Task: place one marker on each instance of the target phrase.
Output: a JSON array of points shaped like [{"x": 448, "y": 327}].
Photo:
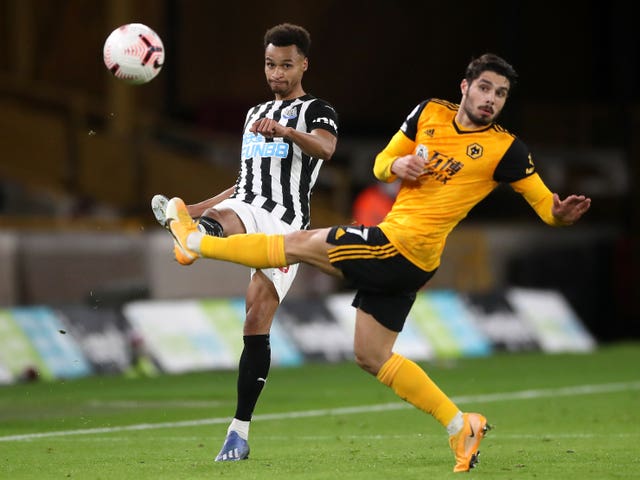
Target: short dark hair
[
  {"x": 493, "y": 63},
  {"x": 287, "y": 34}
]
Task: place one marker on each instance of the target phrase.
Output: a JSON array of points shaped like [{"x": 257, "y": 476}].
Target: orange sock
[
  {"x": 413, "y": 385},
  {"x": 256, "y": 250}
]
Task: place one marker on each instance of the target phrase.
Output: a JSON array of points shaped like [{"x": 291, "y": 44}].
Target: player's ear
[
  {"x": 464, "y": 85},
  {"x": 305, "y": 64}
]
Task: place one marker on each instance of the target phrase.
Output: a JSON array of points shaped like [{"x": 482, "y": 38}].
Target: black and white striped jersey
[{"x": 274, "y": 173}]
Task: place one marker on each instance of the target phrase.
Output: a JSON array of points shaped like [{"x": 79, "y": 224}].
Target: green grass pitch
[{"x": 568, "y": 416}]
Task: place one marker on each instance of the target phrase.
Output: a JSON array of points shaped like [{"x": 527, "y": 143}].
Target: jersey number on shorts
[{"x": 364, "y": 233}]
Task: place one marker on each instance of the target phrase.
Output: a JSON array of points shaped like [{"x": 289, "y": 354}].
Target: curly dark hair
[
  {"x": 287, "y": 34},
  {"x": 493, "y": 63}
]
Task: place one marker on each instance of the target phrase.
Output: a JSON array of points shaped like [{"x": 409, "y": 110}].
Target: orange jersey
[{"x": 462, "y": 168}]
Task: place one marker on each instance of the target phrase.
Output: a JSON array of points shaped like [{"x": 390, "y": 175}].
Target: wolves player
[{"x": 284, "y": 143}]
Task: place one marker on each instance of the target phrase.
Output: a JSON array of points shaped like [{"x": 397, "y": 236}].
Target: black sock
[
  {"x": 252, "y": 373},
  {"x": 210, "y": 226}
]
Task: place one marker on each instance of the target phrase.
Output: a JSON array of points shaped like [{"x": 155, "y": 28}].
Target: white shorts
[{"x": 258, "y": 220}]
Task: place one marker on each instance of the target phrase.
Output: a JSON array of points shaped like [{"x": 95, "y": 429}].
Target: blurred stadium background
[{"x": 81, "y": 154}]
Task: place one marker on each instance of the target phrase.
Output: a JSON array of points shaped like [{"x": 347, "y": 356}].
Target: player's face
[
  {"x": 483, "y": 99},
  {"x": 284, "y": 68}
]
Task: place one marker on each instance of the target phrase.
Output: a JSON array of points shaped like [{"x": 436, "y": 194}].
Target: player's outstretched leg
[{"x": 256, "y": 250}]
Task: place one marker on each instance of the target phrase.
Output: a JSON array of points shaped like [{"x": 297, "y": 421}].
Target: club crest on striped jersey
[{"x": 290, "y": 112}]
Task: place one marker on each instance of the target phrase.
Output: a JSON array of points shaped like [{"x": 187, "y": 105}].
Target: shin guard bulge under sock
[{"x": 256, "y": 250}]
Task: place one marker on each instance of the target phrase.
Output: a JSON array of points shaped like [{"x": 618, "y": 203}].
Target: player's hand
[
  {"x": 570, "y": 209},
  {"x": 269, "y": 128},
  {"x": 409, "y": 167}
]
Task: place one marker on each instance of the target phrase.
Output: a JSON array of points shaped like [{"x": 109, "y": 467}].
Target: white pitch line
[
  {"x": 160, "y": 404},
  {"x": 484, "y": 398}
]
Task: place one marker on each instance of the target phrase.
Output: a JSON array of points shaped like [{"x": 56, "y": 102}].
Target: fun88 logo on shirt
[{"x": 256, "y": 146}]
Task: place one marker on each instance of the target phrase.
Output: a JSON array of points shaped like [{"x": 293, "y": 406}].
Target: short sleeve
[
  {"x": 322, "y": 115},
  {"x": 410, "y": 125}
]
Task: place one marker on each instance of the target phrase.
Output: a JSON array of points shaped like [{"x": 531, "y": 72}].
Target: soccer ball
[{"x": 134, "y": 53}]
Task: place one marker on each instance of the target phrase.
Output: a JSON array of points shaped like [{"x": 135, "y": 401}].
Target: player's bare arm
[
  {"x": 198, "y": 209},
  {"x": 569, "y": 210},
  {"x": 318, "y": 143},
  {"x": 408, "y": 167}
]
